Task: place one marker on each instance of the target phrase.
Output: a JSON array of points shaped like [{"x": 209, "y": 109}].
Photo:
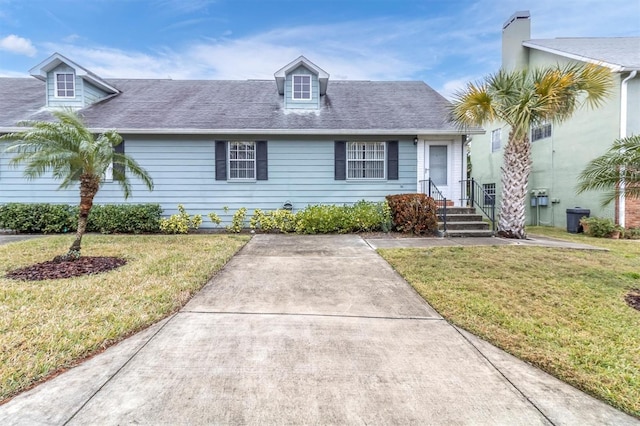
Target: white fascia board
[
  {"x": 304, "y": 132},
  {"x": 612, "y": 67},
  {"x": 99, "y": 83},
  {"x": 40, "y": 71},
  {"x": 281, "y": 74}
]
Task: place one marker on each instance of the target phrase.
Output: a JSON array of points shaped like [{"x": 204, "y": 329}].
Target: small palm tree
[
  {"x": 74, "y": 155},
  {"x": 522, "y": 99},
  {"x": 617, "y": 171}
]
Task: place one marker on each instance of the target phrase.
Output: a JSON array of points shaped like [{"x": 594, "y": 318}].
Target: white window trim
[
  {"x": 255, "y": 165},
  {"x": 55, "y": 85},
  {"x": 108, "y": 174},
  {"x": 293, "y": 92},
  {"x": 384, "y": 163},
  {"x": 499, "y": 132}
]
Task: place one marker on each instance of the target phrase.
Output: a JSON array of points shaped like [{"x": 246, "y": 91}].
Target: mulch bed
[
  {"x": 633, "y": 298},
  {"x": 51, "y": 270}
]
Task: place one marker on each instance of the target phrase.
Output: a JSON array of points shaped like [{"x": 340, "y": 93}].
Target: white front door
[{"x": 437, "y": 160}]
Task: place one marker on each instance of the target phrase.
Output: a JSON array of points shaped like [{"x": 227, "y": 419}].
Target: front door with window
[{"x": 436, "y": 165}]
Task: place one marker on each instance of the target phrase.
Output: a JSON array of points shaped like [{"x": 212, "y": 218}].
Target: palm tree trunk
[
  {"x": 89, "y": 185},
  {"x": 515, "y": 175}
]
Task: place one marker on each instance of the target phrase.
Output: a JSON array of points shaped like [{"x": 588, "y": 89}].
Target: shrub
[
  {"x": 124, "y": 218},
  {"x": 363, "y": 216},
  {"x": 38, "y": 217},
  {"x": 632, "y": 233},
  {"x": 370, "y": 216},
  {"x": 414, "y": 213},
  {"x": 215, "y": 218},
  {"x": 275, "y": 220},
  {"x": 237, "y": 220},
  {"x": 599, "y": 227},
  {"x": 180, "y": 223}
]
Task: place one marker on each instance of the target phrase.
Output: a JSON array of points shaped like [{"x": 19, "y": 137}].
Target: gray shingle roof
[
  {"x": 173, "y": 106},
  {"x": 20, "y": 99},
  {"x": 622, "y": 52}
]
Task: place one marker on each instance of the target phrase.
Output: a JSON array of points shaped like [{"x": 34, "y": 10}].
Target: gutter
[
  {"x": 300, "y": 132},
  {"x": 623, "y": 134}
]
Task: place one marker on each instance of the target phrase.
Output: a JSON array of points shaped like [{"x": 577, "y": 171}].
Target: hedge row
[
  {"x": 408, "y": 213},
  {"x": 60, "y": 218}
]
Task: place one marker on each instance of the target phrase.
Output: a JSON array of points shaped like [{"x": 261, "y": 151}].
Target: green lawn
[
  {"x": 48, "y": 325},
  {"x": 562, "y": 310}
]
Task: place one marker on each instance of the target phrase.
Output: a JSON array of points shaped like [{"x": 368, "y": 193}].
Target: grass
[
  {"x": 49, "y": 325},
  {"x": 559, "y": 309}
]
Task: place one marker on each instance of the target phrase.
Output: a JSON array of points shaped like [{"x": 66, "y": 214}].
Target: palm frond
[
  {"x": 472, "y": 106},
  {"x": 616, "y": 172}
]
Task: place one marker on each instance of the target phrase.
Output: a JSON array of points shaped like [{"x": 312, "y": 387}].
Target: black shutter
[
  {"x": 221, "y": 160},
  {"x": 340, "y": 160},
  {"x": 392, "y": 160},
  {"x": 262, "y": 163},
  {"x": 119, "y": 149}
]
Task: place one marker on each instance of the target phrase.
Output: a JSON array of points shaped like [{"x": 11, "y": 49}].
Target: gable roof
[
  {"x": 281, "y": 74},
  {"x": 40, "y": 72},
  {"x": 157, "y": 106},
  {"x": 617, "y": 53}
]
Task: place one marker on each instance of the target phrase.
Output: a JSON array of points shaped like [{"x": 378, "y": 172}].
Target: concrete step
[
  {"x": 468, "y": 233},
  {"x": 462, "y": 217},
  {"x": 458, "y": 210},
  {"x": 461, "y": 226}
]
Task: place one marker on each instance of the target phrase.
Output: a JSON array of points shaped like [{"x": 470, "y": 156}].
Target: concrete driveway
[{"x": 306, "y": 330}]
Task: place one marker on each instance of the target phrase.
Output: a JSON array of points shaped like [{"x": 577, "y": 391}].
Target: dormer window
[
  {"x": 65, "y": 85},
  {"x": 301, "y": 87}
]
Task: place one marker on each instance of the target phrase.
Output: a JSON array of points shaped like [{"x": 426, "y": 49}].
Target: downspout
[{"x": 623, "y": 134}]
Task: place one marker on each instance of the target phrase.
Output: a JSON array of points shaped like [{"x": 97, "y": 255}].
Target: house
[
  {"x": 560, "y": 153},
  {"x": 299, "y": 139}
]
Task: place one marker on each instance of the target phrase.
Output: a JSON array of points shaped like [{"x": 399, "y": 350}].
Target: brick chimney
[{"x": 514, "y": 31}]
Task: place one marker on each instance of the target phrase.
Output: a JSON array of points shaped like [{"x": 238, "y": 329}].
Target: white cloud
[
  {"x": 14, "y": 44},
  {"x": 446, "y": 51}
]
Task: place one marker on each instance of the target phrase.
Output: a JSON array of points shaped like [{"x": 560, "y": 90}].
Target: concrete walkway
[{"x": 306, "y": 330}]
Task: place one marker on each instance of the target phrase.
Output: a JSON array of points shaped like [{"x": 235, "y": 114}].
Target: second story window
[
  {"x": 301, "y": 87},
  {"x": 495, "y": 140},
  {"x": 541, "y": 132},
  {"x": 65, "y": 85}
]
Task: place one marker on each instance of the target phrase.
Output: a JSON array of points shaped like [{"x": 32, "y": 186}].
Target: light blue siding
[
  {"x": 52, "y": 100},
  {"x": 91, "y": 93},
  {"x": 290, "y": 103},
  {"x": 183, "y": 171}
]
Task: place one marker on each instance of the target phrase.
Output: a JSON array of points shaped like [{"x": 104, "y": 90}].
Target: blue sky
[{"x": 442, "y": 42}]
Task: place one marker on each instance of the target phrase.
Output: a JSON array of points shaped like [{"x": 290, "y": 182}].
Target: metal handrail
[
  {"x": 431, "y": 190},
  {"x": 476, "y": 196}
]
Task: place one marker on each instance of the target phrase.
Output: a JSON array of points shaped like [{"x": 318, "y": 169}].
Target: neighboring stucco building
[
  {"x": 561, "y": 152},
  {"x": 207, "y": 144}
]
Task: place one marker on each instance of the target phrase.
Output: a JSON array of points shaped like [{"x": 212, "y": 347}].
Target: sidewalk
[{"x": 306, "y": 330}]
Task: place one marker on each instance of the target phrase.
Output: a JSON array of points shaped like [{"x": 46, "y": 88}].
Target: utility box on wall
[{"x": 539, "y": 197}]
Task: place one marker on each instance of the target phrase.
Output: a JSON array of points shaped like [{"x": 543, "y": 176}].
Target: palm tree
[
  {"x": 74, "y": 155},
  {"x": 521, "y": 99},
  {"x": 617, "y": 171}
]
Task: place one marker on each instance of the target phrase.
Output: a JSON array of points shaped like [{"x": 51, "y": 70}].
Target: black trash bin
[{"x": 573, "y": 219}]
